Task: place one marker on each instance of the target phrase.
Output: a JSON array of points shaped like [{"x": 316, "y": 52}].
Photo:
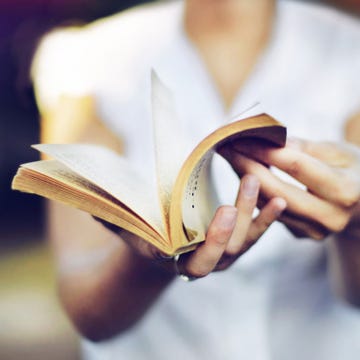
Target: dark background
[
  {"x": 22, "y": 23},
  {"x": 33, "y": 325}
]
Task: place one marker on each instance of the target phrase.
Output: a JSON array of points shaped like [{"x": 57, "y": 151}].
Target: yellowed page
[
  {"x": 170, "y": 141},
  {"x": 55, "y": 181},
  {"x": 199, "y": 200},
  {"x": 112, "y": 173},
  {"x": 192, "y": 204}
]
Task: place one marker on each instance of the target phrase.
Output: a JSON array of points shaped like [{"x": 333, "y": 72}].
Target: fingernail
[
  {"x": 251, "y": 186},
  {"x": 293, "y": 143},
  {"x": 281, "y": 206},
  {"x": 229, "y": 216}
]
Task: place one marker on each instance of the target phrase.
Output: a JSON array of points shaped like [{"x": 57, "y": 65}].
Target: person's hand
[
  {"x": 232, "y": 231},
  {"x": 330, "y": 173}
]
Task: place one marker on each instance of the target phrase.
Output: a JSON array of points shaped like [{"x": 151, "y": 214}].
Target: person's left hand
[{"x": 328, "y": 202}]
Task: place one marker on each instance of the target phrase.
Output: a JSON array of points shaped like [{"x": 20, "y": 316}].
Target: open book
[{"x": 173, "y": 218}]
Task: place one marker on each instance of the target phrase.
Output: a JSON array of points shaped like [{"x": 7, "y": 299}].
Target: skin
[
  {"x": 329, "y": 205},
  {"x": 108, "y": 279},
  {"x": 351, "y": 6}
]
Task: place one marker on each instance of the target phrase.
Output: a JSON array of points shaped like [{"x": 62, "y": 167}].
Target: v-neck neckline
[{"x": 260, "y": 67}]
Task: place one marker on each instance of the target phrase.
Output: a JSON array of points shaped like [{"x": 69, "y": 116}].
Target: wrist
[
  {"x": 352, "y": 229},
  {"x": 149, "y": 268}
]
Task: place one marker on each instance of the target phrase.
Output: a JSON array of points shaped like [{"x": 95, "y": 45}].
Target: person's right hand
[{"x": 232, "y": 231}]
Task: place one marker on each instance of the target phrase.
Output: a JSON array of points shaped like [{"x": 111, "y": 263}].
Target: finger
[
  {"x": 299, "y": 226},
  {"x": 204, "y": 259},
  {"x": 320, "y": 178},
  {"x": 268, "y": 214},
  {"x": 299, "y": 202},
  {"x": 107, "y": 225},
  {"x": 245, "y": 203},
  {"x": 327, "y": 152},
  {"x": 303, "y": 228}
]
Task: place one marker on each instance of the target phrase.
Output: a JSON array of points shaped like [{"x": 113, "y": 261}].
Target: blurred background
[{"x": 32, "y": 323}]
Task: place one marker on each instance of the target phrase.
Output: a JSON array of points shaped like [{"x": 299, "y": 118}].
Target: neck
[
  {"x": 230, "y": 36},
  {"x": 225, "y": 17}
]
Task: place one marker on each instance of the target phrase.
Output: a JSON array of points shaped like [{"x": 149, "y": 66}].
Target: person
[{"x": 282, "y": 298}]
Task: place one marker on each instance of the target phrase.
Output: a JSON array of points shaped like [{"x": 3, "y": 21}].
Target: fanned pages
[
  {"x": 54, "y": 180},
  {"x": 112, "y": 173},
  {"x": 168, "y": 135},
  {"x": 175, "y": 218},
  {"x": 191, "y": 206}
]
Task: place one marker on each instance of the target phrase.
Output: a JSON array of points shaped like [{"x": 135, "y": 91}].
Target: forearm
[
  {"x": 344, "y": 261},
  {"x": 106, "y": 295},
  {"x": 104, "y": 286}
]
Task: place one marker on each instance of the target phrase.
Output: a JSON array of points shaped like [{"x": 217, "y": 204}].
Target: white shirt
[{"x": 275, "y": 302}]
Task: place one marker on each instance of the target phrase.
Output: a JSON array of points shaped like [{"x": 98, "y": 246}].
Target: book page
[
  {"x": 55, "y": 181},
  {"x": 113, "y": 174},
  {"x": 199, "y": 200},
  {"x": 193, "y": 203},
  {"x": 170, "y": 141}
]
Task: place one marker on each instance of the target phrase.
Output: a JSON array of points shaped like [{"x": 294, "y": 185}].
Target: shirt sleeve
[{"x": 60, "y": 67}]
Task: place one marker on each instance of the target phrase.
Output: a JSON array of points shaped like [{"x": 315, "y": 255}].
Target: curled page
[{"x": 113, "y": 174}]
